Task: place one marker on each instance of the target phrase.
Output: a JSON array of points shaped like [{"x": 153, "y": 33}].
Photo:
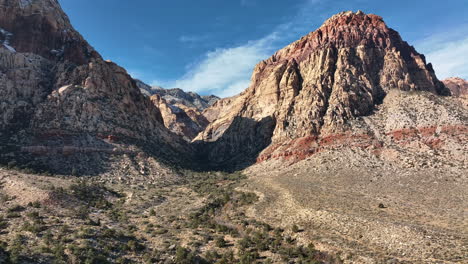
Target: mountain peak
[
  {"x": 316, "y": 85},
  {"x": 349, "y": 17},
  {"x": 52, "y": 35}
]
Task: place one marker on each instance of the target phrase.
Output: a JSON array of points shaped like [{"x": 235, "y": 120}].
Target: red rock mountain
[
  {"x": 61, "y": 100},
  {"x": 458, "y": 86},
  {"x": 314, "y": 86}
]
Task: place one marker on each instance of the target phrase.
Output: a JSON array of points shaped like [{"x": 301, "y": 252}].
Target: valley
[{"x": 345, "y": 147}]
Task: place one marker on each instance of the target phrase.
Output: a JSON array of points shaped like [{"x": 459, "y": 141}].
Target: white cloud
[
  {"x": 447, "y": 52},
  {"x": 226, "y": 71}
]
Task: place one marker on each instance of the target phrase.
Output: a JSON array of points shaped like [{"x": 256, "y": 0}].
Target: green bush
[{"x": 220, "y": 242}]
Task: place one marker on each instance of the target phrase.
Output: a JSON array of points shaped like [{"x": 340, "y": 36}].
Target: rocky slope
[
  {"x": 179, "y": 118},
  {"x": 56, "y": 90},
  {"x": 177, "y": 96},
  {"x": 458, "y": 86},
  {"x": 314, "y": 86},
  {"x": 182, "y": 111}
]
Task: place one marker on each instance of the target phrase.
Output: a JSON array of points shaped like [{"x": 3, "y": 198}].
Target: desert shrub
[
  {"x": 13, "y": 215},
  {"x": 295, "y": 228},
  {"x": 246, "y": 257},
  {"x": 135, "y": 246},
  {"x": 16, "y": 249},
  {"x": 184, "y": 256},
  {"x": 35, "y": 204},
  {"x": 92, "y": 194},
  {"x": 33, "y": 215},
  {"x": 220, "y": 242},
  {"x": 35, "y": 227},
  {"x": 16, "y": 208},
  {"x": 3, "y": 223},
  {"x": 87, "y": 254}
]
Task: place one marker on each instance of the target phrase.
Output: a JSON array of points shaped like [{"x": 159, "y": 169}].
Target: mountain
[
  {"x": 314, "y": 87},
  {"x": 179, "y": 118},
  {"x": 458, "y": 86},
  {"x": 347, "y": 141},
  {"x": 179, "y": 96},
  {"x": 182, "y": 111},
  {"x": 348, "y": 133},
  {"x": 59, "y": 96}
]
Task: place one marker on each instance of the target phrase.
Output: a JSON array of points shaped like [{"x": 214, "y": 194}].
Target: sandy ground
[{"x": 335, "y": 195}]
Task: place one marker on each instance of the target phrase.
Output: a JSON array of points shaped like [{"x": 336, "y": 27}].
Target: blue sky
[{"x": 211, "y": 46}]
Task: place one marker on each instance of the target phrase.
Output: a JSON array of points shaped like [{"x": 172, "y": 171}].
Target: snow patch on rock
[
  {"x": 5, "y": 39},
  {"x": 25, "y": 3}
]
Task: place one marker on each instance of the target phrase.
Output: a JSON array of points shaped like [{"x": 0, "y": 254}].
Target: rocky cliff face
[
  {"x": 457, "y": 86},
  {"x": 178, "y": 96},
  {"x": 55, "y": 89},
  {"x": 315, "y": 85},
  {"x": 42, "y": 28},
  {"x": 182, "y": 120},
  {"x": 182, "y": 111}
]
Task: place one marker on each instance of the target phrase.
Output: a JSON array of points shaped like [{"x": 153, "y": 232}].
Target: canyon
[{"x": 346, "y": 132}]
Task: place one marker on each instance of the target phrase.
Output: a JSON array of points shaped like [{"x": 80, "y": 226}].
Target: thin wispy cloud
[
  {"x": 226, "y": 71},
  {"x": 447, "y": 52}
]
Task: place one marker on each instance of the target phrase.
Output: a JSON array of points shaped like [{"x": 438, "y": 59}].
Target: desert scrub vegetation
[{"x": 197, "y": 219}]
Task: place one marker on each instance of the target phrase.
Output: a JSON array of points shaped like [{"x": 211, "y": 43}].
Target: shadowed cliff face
[
  {"x": 315, "y": 85},
  {"x": 233, "y": 150}
]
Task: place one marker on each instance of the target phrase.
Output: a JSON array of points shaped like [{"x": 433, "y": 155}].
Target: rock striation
[
  {"x": 182, "y": 111},
  {"x": 178, "y": 96},
  {"x": 179, "y": 118},
  {"x": 315, "y": 85}
]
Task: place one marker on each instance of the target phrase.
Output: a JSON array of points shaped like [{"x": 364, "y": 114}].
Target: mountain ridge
[{"x": 315, "y": 85}]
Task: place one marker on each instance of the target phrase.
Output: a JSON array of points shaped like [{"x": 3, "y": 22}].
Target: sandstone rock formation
[
  {"x": 458, "y": 86},
  {"x": 178, "y": 96},
  {"x": 315, "y": 85},
  {"x": 181, "y": 111},
  {"x": 183, "y": 120},
  {"x": 55, "y": 89}
]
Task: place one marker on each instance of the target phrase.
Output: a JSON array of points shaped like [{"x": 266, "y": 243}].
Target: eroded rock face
[
  {"x": 55, "y": 88},
  {"x": 315, "y": 85},
  {"x": 178, "y": 96},
  {"x": 183, "y": 120},
  {"x": 458, "y": 86},
  {"x": 182, "y": 111},
  {"x": 41, "y": 27}
]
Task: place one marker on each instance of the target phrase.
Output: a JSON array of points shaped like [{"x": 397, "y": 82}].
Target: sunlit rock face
[
  {"x": 313, "y": 86},
  {"x": 52, "y": 82},
  {"x": 458, "y": 86}
]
